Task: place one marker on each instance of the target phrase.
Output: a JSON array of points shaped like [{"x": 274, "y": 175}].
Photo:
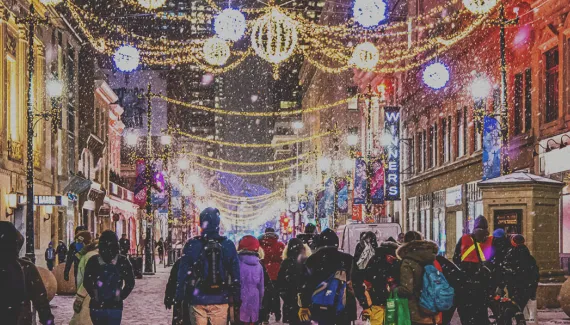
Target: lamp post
[
  {"x": 149, "y": 245},
  {"x": 368, "y": 158}
]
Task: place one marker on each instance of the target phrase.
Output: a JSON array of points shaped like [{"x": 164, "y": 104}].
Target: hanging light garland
[
  {"x": 243, "y": 163},
  {"x": 230, "y": 25},
  {"x": 216, "y": 51},
  {"x": 151, "y": 4},
  {"x": 267, "y": 172},
  {"x": 479, "y": 7},
  {"x": 51, "y": 2},
  {"x": 246, "y": 198}
]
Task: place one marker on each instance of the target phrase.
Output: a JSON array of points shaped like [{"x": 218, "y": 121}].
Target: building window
[
  {"x": 353, "y": 101},
  {"x": 71, "y": 153},
  {"x": 551, "y": 85},
  {"x": 460, "y": 138},
  {"x": 518, "y": 103},
  {"x": 433, "y": 145},
  {"x": 12, "y": 100},
  {"x": 527, "y": 99},
  {"x": 478, "y": 125},
  {"x": 423, "y": 149},
  {"x": 446, "y": 124}
]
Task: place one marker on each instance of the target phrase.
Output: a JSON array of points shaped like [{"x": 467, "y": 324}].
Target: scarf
[{"x": 367, "y": 254}]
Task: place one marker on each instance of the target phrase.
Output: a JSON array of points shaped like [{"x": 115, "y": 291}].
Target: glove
[
  {"x": 366, "y": 314},
  {"x": 77, "y": 304},
  {"x": 304, "y": 314},
  {"x": 66, "y": 277}
]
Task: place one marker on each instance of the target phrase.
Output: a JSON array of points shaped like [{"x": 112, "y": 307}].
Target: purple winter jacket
[{"x": 252, "y": 287}]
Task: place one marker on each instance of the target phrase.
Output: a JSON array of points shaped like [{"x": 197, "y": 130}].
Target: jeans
[
  {"x": 106, "y": 316},
  {"x": 214, "y": 314}
]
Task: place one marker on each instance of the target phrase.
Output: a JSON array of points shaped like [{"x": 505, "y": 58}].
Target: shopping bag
[
  {"x": 403, "y": 311},
  {"x": 391, "y": 312},
  {"x": 530, "y": 313},
  {"x": 377, "y": 315}
]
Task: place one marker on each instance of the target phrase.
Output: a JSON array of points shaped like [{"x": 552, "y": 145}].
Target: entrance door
[{"x": 509, "y": 220}]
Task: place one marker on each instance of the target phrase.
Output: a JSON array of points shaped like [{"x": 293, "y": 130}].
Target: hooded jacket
[
  {"x": 273, "y": 249},
  {"x": 252, "y": 286},
  {"x": 191, "y": 255},
  {"x": 289, "y": 278},
  {"x": 415, "y": 255},
  {"x": 520, "y": 272}
]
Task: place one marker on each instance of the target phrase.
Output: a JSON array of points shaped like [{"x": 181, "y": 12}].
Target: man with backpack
[
  {"x": 109, "y": 280},
  {"x": 324, "y": 295},
  {"x": 80, "y": 235},
  {"x": 474, "y": 254},
  {"x": 209, "y": 273}
]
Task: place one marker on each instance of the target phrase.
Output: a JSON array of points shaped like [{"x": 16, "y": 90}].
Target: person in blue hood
[{"x": 209, "y": 273}]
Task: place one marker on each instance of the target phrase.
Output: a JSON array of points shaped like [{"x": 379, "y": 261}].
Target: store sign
[
  {"x": 43, "y": 200},
  {"x": 392, "y": 167},
  {"x": 453, "y": 196}
]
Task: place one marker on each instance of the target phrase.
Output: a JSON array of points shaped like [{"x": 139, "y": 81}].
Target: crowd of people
[
  {"x": 309, "y": 280},
  {"x": 306, "y": 280}
]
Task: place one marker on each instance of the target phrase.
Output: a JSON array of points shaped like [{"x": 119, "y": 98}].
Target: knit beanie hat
[
  {"x": 499, "y": 233},
  {"x": 248, "y": 243},
  {"x": 481, "y": 223},
  {"x": 517, "y": 240}
]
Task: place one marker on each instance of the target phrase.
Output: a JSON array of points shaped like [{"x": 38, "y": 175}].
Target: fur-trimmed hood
[
  {"x": 307, "y": 251},
  {"x": 260, "y": 253},
  {"x": 421, "y": 251}
]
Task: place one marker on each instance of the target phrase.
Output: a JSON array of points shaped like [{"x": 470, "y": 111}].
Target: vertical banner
[
  {"x": 392, "y": 168},
  {"x": 491, "y": 148},
  {"x": 357, "y": 212},
  {"x": 377, "y": 182},
  {"x": 330, "y": 192},
  {"x": 311, "y": 205},
  {"x": 321, "y": 205},
  {"x": 342, "y": 196},
  {"x": 360, "y": 180},
  {"x": 140, "y": 184}
]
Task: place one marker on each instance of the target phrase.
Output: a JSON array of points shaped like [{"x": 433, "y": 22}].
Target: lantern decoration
[
  {"x": 369, "y": 13},
  {"x": 216, "y": 51},
  {"x": 127, "y": 58},
  {"x": 274, "y": 36},
  {"x": 230, "y": 25},
  {"x": 479, "y": 6},
  {"x": 365, "y": 56},
  {"x": 51, "y": 2},
  {"x": 151, "y": 4},
  {"x": 436, "y": 75}
]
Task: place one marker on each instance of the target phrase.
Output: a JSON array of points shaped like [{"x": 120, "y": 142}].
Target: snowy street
[{"x": 145, "y": 305}]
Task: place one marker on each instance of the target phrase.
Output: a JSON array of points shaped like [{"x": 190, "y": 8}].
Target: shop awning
[{"x": 77, "y": 185}]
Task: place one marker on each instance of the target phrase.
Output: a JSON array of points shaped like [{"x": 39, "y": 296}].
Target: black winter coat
[
  {"x": 71, "y": 259},
  {"x": 93, "y": 272},
  {"x": 520, "y": 272},
  {"x": 288, "y": 284},
  {"x": 268, "y": 294}
]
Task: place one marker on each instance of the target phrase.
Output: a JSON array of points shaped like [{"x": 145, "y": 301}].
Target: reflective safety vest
[{"x": 470, "y": 249}]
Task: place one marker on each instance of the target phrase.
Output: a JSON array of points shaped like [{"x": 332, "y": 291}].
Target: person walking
[
  {"x": 180, "y": 314},
  {"x": 251, "y": 280},
  {"x": 474, "y": 255},
  {"x": 109, "y": 280},
  {"x": 50, "y": 256},
  {"x": 61, "y": 251},
  {"x": 415, "y": 253},
  {"x": 74, "y": 248},
  {"x": 309, "y": 236},
  {"x": 207, "y": 289},
  {"x": 456, "y": 279},
  {"x": 125, "y": 245},
  {"x": 376, "y": 277},
  {"x": 520, "y": 272},
  {"x": 273, "y": 250},
  {"x": 81, "y": 310},
  {"x": 160, "y": 248},
  {"x": 326, "y": 262},
  {"x": 289, "y": 279}
]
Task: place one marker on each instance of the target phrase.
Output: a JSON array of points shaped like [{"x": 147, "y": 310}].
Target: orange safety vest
[{"x": 470, "y": 249}]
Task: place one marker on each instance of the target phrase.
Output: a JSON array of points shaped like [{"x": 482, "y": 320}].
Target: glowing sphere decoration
[
  {"x": 436, "y": 75},
  {"x": 365, "y": 56},
  {"x": 480, "y": 87},
  {"x": 230, "y": 25},
  {"x": 274, "y": 36},
  {"x": 216, "y": 51},
  {"x": 151, "y": 4},
  {"x": 127, "y": 58},
  {"x": 479, "y": 6},
  {"x": 369, "y": 13}
]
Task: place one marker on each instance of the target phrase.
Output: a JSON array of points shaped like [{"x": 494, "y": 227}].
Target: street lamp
[
  {"x": 54, "y": 87},
  {"x": 347, "y": 164},
  {"x": 352, "y": 139},
  {"x": 480, "y": 87}
]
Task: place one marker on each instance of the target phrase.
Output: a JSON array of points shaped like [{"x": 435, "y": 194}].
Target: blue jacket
[{"x": 210, "y": 221}]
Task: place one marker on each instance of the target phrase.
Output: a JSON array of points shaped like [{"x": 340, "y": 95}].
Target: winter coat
[
  {"x": 61, "y": 251},
  {"x": 192, "y": 252},
  {"x": 252, "y": 287},
  {"x": 72, "y": 259},
  {"x": 520, "y": 272},
  {"x": 50, "y": 254},
  {"x": 83, "y": 317},
  {"x": 289, "y": 282},
  {"x": 273, "y": 249},
  {"x": 382, "y": 271},
  {"x": 36, "y": 295},
  {"x": 415, "y": 255},
  {"x": 125, "y": 245},
  {"x": 91, "y": 279},
  {"x": 180, "y": 314}
]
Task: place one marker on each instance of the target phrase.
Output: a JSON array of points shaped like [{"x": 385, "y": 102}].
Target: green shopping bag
[
  {"x": 403, "y": 312},
  {"x": 391, "y": 310}
]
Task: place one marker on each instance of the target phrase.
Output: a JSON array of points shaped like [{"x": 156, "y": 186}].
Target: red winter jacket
[{"x": 273, "y": 250}]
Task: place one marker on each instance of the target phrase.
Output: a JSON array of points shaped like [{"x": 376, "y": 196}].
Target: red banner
[{"x": 357, "y": 212}]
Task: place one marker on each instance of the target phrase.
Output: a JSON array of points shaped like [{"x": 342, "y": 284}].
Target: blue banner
[
  {"x": 392, "y": 149},
  {"x": 360, "y": 181},
  {"x": 342, "y": 196},
  {"x": 330, "y": 191},
  {"x": 492, "y": 144}
]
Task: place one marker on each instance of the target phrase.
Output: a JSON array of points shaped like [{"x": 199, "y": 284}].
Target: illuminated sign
[
  {"x": 392, "y": 148},
  {"x": 43, "y": 200}
]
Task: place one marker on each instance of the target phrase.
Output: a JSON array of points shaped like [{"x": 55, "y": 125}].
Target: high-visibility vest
[{"x": 470, "y": 249}]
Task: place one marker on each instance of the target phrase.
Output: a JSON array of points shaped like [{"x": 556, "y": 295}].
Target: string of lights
[
  {"x": 245, "y": 198},
  {"x": 267, "y": 172},
  {"x": 250, "y": 145},
  {"x": 263, "y": 202},
  {"x": 243, "y": 163}
]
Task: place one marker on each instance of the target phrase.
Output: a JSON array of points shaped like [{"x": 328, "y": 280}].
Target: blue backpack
[
  {"x": 437, "y": 295},
  {"x": 330, "y": 295},
  {"x": 111, "y": 282}
]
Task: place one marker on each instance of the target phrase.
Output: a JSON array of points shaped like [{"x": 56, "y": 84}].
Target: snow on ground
[{"x": 145, "y": 305}]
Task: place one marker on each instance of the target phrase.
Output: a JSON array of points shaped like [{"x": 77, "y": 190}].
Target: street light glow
[
  {"x": 347, "y": 164},
  {"x": 184, "y": 163},
  {"x": 54, "y": 87},
  {"x": 131, "y": 138},
  {"x": 480, "y": 87},
  {"x": 352, "y": 139},
  {"x": 166, "y": 140},
  {"x": 325, "y": 163}
]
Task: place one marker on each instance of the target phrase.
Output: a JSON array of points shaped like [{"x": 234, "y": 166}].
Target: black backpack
[
  {"x": 212, "y": 275},
  {"x": 111, "y": 282}
]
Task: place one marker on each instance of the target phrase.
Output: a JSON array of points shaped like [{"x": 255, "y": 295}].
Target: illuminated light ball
[
  {"x": 127, "y": 58},
  {"x": 274, "y": 36},
  {"x": 369, "y": 13},
  {"x": 230, "y": 25},
  {"x": 365, "y": 56},
  {"x": 100, "y": 45},
  {"x": 216, "y": 51},
  {"x": 436, "y": 75},
  {"x": 51, "y": 2},
  {"x": 479, "y": 6},
  {"x": 480, "y": 87},
  {"x": 151, "y": 4}
]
